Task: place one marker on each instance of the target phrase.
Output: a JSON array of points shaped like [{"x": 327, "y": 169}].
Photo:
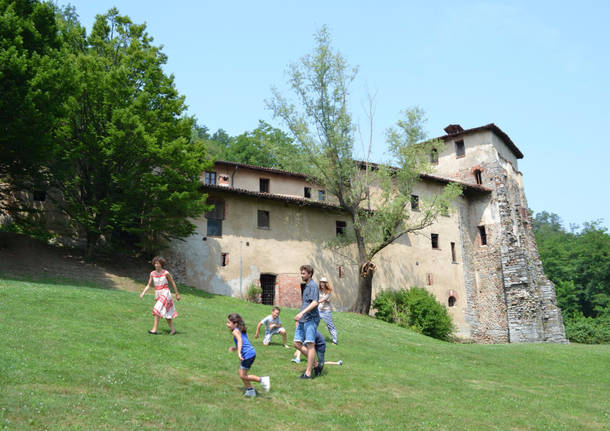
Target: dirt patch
[{"x": 24, "y": 257}]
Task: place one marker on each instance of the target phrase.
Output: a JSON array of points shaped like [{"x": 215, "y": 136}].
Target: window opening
[
  {"x": 434, "y": 156},
  {"x": 340, "y": 227},
  {"x": 460, "y": 151},
  {"x": 264, "y": 185},
  {"x": 453, "y": 257},
  {"x": 307, "y": 192},
  {"x": 224, "y": 259},
  {"x": 215, "y": 217},
  {"x": 477, "y": 176},
  {"x": 415, "y": 202},
  {"x": 210, "y": 178},
  {"x": 482, "y": 235},
  {"x": 341, "y": 271},
  {"x": 434, "y": 239},
  {"x": 263, "y": 219},
  {"x": 429, "y": 280},
  {"x": 451, "y": 301},
  {"x": 268, "y": 288},
  {"x": 321, "y": 195}
]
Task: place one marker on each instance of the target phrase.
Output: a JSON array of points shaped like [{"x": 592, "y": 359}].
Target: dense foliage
[
  {"x": 118, "y": 159},
  {"x": 578, "y": 263},
  {"x": 414, "y": 308}
]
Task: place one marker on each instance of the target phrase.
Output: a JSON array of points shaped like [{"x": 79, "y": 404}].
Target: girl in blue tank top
[{"x": 246, "y": 354}]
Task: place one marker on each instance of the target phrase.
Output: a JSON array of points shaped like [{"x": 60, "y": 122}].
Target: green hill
[{"x": 78, "y": 357}]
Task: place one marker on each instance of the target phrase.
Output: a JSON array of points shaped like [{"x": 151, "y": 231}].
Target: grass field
[{"x": 77, "y": 357}]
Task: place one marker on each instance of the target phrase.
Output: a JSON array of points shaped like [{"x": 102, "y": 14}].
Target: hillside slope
[{"x": 77, "y": 357}]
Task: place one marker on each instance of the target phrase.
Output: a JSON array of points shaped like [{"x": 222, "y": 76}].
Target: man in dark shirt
[{"x": 308, "y": 318}]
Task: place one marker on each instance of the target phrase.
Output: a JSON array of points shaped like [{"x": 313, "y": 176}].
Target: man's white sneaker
[
  {"x": 266, "y": 383},
  {"x": 340, "y": 362}
]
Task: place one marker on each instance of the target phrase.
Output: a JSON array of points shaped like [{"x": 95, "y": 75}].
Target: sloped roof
[{"x": 491, "y": 127}]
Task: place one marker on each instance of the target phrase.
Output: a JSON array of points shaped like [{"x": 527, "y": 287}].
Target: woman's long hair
[
  {"x": 238, "y": 321},
  {"x": 327, "y": 286}
]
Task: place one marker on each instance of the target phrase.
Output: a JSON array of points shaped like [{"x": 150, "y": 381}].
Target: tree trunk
[
  {"x": 92, "y": 239},
  {"x": 365, "y": 291}
]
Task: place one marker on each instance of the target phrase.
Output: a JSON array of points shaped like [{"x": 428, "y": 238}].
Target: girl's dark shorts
[{"x": 247, "y": 363}]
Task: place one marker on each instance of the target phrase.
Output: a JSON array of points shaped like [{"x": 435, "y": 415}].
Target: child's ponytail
[{"x": 238, "y": 321}]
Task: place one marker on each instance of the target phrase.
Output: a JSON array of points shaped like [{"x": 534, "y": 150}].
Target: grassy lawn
[{"x": 79, "y": 357}]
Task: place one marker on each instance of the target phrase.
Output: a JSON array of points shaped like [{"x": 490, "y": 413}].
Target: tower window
[
  {"x": 477, "y": 177},
  {"x": 434, "y": 240},
  {"x": 264, "y": 185},
  {"x": 460, "y": 151},
  {"x": 482, "y": 235},
  {"x": 263, "y": 219}
]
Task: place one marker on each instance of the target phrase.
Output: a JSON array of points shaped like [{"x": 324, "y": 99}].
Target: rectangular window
[
  {"x": 415, "y": 202},
  {"x": 264, "y": 185},
  {"x": 341, "y": 271},
  {"x": 453, "y": 257},
  {"x": 477, "y": 177},
  {"x": 224, "y": 259},
  {"x": 321, "y": 195},
  {"x": 460, "y": 151},
  {"x": 434, "y": 239},
  {"x": 482, "y": 235},
  {"x": 263, "y": 219},
  {"x": 210, "y": 178},
  {"x": 429, "y": 280},
  {"x": 307, "y": 192},
  {"x": 434, "y": 156},
  {"x": 340, "y": 227},
  {"x": 215, "y": 217}
]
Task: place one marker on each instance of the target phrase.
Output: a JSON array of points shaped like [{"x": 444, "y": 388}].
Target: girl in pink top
[{"x": 164, "y": 304}]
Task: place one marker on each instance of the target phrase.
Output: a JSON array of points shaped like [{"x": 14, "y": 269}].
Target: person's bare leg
[
  {"x": 155, "y": 324},
  {"x": 170, "y": 322},
  {"x": 311, "y": 357}
]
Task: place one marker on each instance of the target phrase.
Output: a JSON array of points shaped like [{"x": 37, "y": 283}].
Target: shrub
[
  {"x": 588, "y": 330},
  {"x": 253, "y": 294},
  {"x": 414, "y": 308}
]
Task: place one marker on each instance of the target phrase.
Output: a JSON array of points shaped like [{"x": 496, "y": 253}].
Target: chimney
[{"x": 452, "y": 129}]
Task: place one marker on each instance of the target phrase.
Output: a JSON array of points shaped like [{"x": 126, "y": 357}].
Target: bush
[
  {"x": 415, "y": 308},
  {"x": 253, "y": 294},
  {"x": 588, "y": 330}
]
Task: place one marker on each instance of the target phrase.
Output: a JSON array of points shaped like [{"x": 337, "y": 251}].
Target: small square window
[
  {"x": 307, "y": 192},
  {"x": 210, "y": 178},
  {"x": 460, "y": 150},
  {"x": 264, "y": 185},
  {"x": 263, "y": 219},
  {"x": 321, "y": 195},
  {"x": 434, "y": 240},
  {"x": 415, "y": 202},
  {"x": 340, "y": 227}
]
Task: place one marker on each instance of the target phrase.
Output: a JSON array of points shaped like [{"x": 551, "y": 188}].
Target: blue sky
[{"x": 538, "y": 70}]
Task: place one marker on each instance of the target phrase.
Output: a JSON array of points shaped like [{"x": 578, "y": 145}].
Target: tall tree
[
  {"x": 124, "y": 161},
  {"x": 320, "y": 121},
  {"x": 33, "y": 82}
]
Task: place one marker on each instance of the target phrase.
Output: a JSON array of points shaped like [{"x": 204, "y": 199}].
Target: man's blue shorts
[{"x": 306, "y": 332}]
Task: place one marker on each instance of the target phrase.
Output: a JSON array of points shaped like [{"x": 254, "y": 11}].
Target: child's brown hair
[
  {"x": 238, "y": 321},
  {"x": 159, "y": 259}
]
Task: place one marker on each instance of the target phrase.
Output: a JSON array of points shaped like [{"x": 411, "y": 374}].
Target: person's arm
[
  {"x": 169, "y": 276},
  {"x": 313, "y": 304},
  {"x": 258, "y": 327},
  {"x": 147, "y": 286},
  {"x": 237, "y": 335}
]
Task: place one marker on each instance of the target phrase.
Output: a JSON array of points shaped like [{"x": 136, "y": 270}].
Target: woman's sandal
[{"x": 152, "y": 332}]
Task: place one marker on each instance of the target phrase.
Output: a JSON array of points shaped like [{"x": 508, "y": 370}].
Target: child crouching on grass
[{"x": 246, "y": 354}]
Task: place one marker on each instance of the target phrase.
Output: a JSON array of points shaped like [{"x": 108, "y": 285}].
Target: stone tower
[{"x": 509, "y": 297}]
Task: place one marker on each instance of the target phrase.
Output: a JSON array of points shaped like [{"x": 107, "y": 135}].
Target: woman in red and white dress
[{"x": 164, "y": 304}]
